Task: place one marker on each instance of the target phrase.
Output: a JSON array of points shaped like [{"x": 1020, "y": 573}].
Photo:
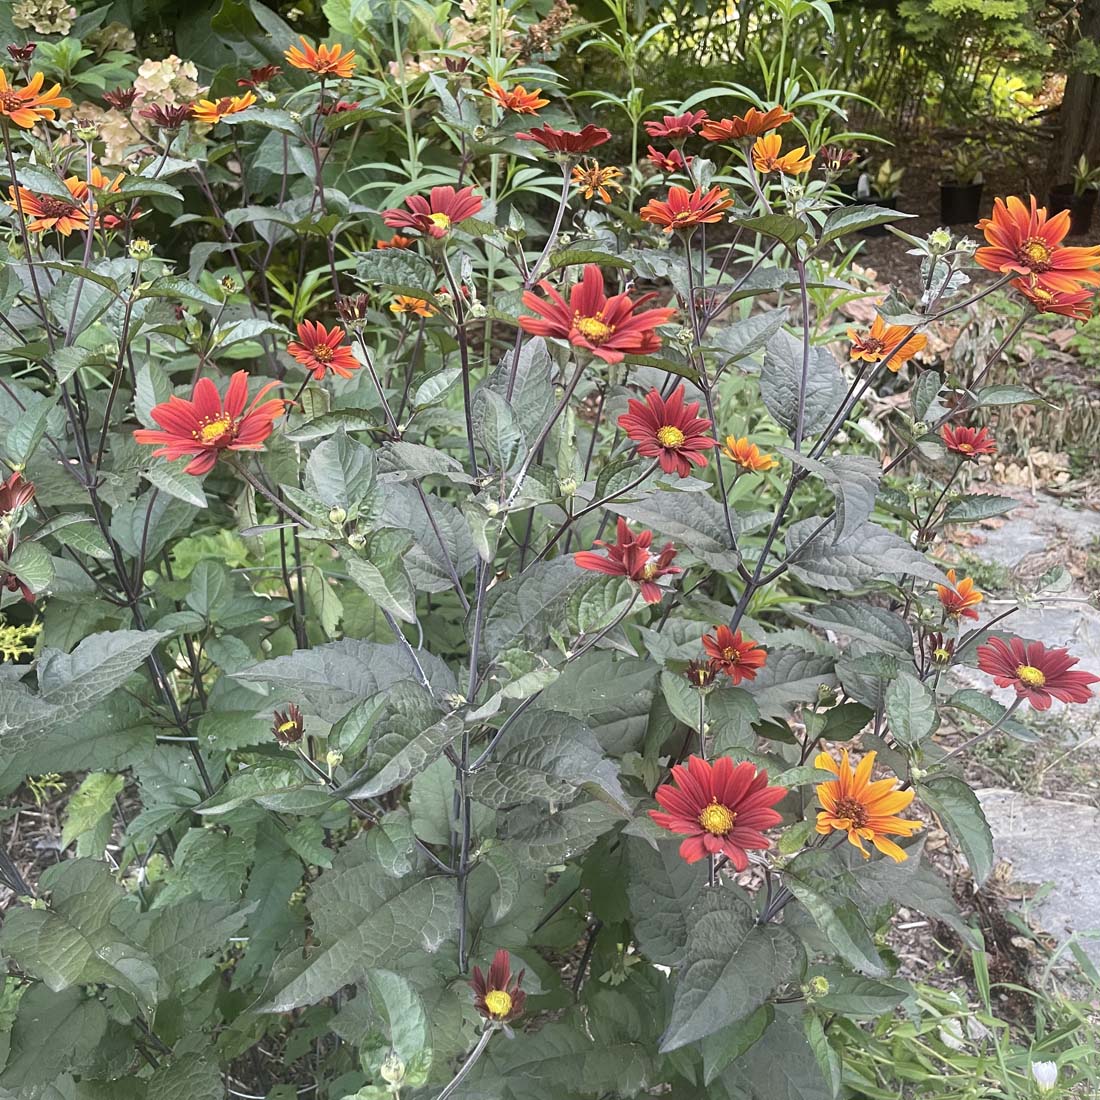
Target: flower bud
[
  {"x": 939, "y": 240},
  {"x": 334, "y": 758},
  {"x": 1045, "y": 1075},
  {"x": 357, "y": 540},
  {"x": 567, "y": 486},
  {"x": 817, "y": 986},
  {"x": 392, "y": 1069},
  {"x": 337, "y": 516},
  {"x": 826, "y": 695},
  {"x": 967, "y": 245},
  {"x": 86, "y": 131},
  {"x": 140, "y": 249},
  {"x": 229, "y": 285},
  {"x": 289, "y": 726}
]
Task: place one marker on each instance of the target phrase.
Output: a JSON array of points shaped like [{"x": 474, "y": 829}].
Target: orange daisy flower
[
  {"x": 211, "y": 111},
  {"x": 396, "y": 241},
  {"x": 319, "y": 350},
  {"x": 519, "y": 101},
  {"x": 591, "y": 179},
  {"x": 863, "y": 810},
  {"x": 324, "y": 60},
  {"x": 1075, "y": 304},
  {"x": 45, "y": 212},
  {"x": 632, "y": 556},
  {"x": 686, "y": 209},
  {"x": 959, "y": 598},
  {"x": 26, "y": 106},
  {"x": 404, "y": 303},
  {"x": 752, "y": 123},
  {"x": 739, "y": 658},
  {"x": 747, "y": 455},
  {"x": 897, "y": 344},
  {"x": 766, "y": 157}
]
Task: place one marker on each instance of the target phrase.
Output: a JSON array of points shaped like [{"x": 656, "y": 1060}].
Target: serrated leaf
[
  {"x": 978, "y": 506},
  {"x": 340, "y": 472},
  {"x": 187, "y": 1078},
  {"x": 89, "y": 803},
  {"x": 852, "y": 479},
  {"x": 849, "y": 219},
  {"x": 911, "y": 710},
  {"x": 663, "y": 891},
  {"x": 957, "y": 806},
  {"x": 32, "y": 564},
  {"x": 842, "y": 926},
  {"x": 741, "y": 338},
  {"x": 781, "y": 380}
]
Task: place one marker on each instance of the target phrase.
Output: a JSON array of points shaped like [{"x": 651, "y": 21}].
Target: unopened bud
[
  {"x": 140, "y": 249},
  {"x": 357, "y": 540},
  {"x": 392, "y": 1069},
  {"x": 939, "y": 240},
  {"x": 817, "y": 986},
  {"x": 229, "y": 285},
  {"x": 334, "y": 758},
  {"x": 337, "y": 516},
  {"x": 826, "y": 695},
  {"x": 568, "y": 486}
]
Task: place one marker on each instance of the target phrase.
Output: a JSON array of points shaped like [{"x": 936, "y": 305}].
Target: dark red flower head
[
  {"x": 288, "y": 726},
  {"x": 497, "y": 995},
  {"x": 15, "y": 493},
  {"x": 22, "y": 54},
  {"x": 321, "y": 350},
  {"x": 457, "y": 64},
  {"x": 569, "y": 142},
  {"x": 739, "y": 658},
  {"x": 940, "y": 649},
  {"x": 169, "y": 117},
  {"x": 668, "y": 431},
  {"x": 672, "y": 161},
  {"x": 969, "y": 442},
  {"x": 752, "y": 123},
  {"x": 259, "y": 77},
  {"x": 632, "y": 558},
  {"x": 434, "y": 216},
  {"x": 608, "y": 327},
  {"x": 1038, "y": 674},
  {"x": 676, "y": 127},
  {"x": 353, "y": 308},
  {"x": 122, "y": 99},
  {"x": 723, "y": 808},
  {"x": 834, "y": 159}
]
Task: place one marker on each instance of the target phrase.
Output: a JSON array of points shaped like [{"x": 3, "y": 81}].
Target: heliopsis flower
[
  {"x": 519, "y": 101},
  {"x": 420, "y": 307},
  {"x": 288, "y": 726},
  {"x": 1075, "y": 304},
  {"x": 608, "y": 327},
  {"x": 319, "y": 350},
  {"x": 25, "y": 106},
  {"x": 591, "y": 179},
  {"x": 1038, "y": 674},
  {"x": 324, "y": 60},
  {"x": 969, "y": 442},
  {"x": 897, "y": 344},
  {"x": 862, "y": 809},
  {"x": 1024, "y": 240},
  {"x": 396, "y": 241},
  {"x": 723, "y": 808},
  {"x": 121, "y": 99},
  {"x": 45, "y": 212},
  {"x": 668, "y": 431},
  {"x": 747, "y": 455},
  {"x": 15, "y": 493},
  {"x": 959, "y": 598},
  {"x": 205, "y": 426},
  {"x": 210, "y": 111},
  {"x": 632, "y": 558},
  {"x": 738, "y": 657},
  {"x": 169, "y": 116},
  {"x": 752, "y": 123},
  {"x": 672, "y": 161},
  {"x": 497, "y": 995},
  {"x": 568, "y": 142},
  {"x": 686, "y": 209},
  {"x": 676, "y": 127},
  {"x": 766, "y": 157},
  {"x": 257, "y": 78},
  {"x": 445, "y": 207}
]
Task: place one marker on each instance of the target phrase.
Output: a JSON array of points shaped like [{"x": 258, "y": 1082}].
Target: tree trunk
[{"x": 1079, "y": 116}]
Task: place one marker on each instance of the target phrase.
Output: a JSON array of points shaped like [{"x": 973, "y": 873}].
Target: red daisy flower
[
  {"x": 752, "y": 123},
  {"x": 686, "y": 209},
  {"x": 435, "y": 215},
  {"x": 722, "y": 807},
  {"x": 668, "y": 430},
  {"x": 570, "y": 142},
  {"x": 319, "y": 349},
  {"x": 959, "y": 598},
  {"x": 676, "y": 127},
  {"x": 1026, "y": 241},
  {"x": 1076, "y": 304},
  {"x": 497, "y": 995},
  {"x": 257, "y": 78},
  {"x": 1038, "y": 674},
  {"x": 632, "y": 558},
  {"x": 15, "y": 493},
  {"x": 672, "y": 161},
  {"x": 608, "y": 327},
  {"x": 205, "y": 426},
  {"x": 969, "y": 442},
  {"x": 739, "y": 658}
]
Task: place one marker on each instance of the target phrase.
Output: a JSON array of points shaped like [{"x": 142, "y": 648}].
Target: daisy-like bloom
[
  {"x": 205, "y": 426},
  {"x": 608, "y": 327},
  {"x": 897, "y": 344},
  {"x": 766, "y": 157},
  {"x": 420, "y": 307},
  {"x": 434, "y": 216},
  {"x": 1038, "y": 674},
  {"x": 210, "y": 111},
  {"x": 396, "y": 241},
  {"x": 320, "y": 350},
  {"x": 834, "y": 159},
  {"x": 747, "y": 455},
  {"x": 288, "y": 726},
  {"x": 862, "y": 809},
  {"x": 22, "y": 54},
  {"x": 1023, "y": 239},
  {"x": 1075, "y": 304},
  {"x": 567, "y": 142},
  {"x": 959, "y": 598},
  {"x": 257, "y": 78},
  {"x": 45, "y": 212},
  {"x": 700, "y": 674},
  {"x": 632, "y": 558},
  {"x": 497, "y": 995},
  {"x": 969, "y": 442},
  {"x": 590, "y": 179},
  {"x": 353, "y": 308},
  {"x": 672, "y": 161},
  {"x": 519, "y": 101},
  {"x": 15, "y": 493},
  {"x": 668, "y": 431},
  {"x": 324, "y": 60},
  {"x": 121, "y": 99},
  {"x": 676, "y": 127},
  {"x": 941, "y": 649},
  {"x": 26, "y": 106},
  {"x": 738, "y": 657},
  {"x": 723, "y": 808},
  {"x": 752, "y": 123},
  {"x": 1045, "y": 1075},
  {"x": 686, "y": 209},
  {"x": 169, "y": 116}
]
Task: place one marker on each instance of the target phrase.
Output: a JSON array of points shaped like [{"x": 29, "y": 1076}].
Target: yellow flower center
[
  {"x": 286, "y": 727},
  {"x": 498, "y": 1003},
  {"x": 670, "y": 436},
  {"x": 1031, "y": 676},
  {"x": 442, "y": 220},
  {"x": 941, "y": 656},
  {"x": 322, "y": 352},
  {"x": 966, "y": 448},
  {"x": 851, "y": 809},
  {"x": 213, "y": 430},
  {"x": 1036, "y": 253},
  {"x": 649, "y": 570},
  {"x": 731, "y": 654},
  {"x": 717, "y": 819},
  {"x": 593, "y": 329}
]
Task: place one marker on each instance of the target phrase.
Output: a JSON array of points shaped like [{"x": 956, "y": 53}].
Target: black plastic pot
[
  {"x": 1080, "y": 207},
  {"x": 960, "y": 203}
]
